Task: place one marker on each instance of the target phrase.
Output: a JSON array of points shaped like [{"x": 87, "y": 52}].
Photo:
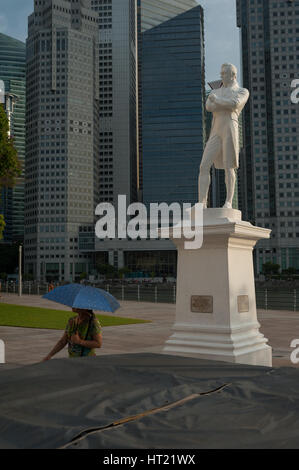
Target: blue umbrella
[{"x": 85, "y": 297}]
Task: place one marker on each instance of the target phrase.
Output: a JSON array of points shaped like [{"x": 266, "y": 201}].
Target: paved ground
[{"x": 29, "y": 345}]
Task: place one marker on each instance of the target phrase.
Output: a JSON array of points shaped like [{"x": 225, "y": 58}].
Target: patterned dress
[{"x": 75, "y": 350}]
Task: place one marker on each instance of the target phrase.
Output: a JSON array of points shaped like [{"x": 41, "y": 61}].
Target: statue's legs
[
  {"x": 230, "y": 181},
  {"x": 212, "y": 150}
]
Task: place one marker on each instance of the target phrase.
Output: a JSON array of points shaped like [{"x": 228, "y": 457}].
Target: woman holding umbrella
[{"x": 83, "y": 333}]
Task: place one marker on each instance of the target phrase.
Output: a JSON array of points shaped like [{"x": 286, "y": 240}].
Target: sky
[
  {"x": 221, "y": 33},
  {"x": 222, "y": 36}
]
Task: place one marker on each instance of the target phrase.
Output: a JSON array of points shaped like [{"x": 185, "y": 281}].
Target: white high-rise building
[
  {"x": 62, "y": 166},
  {"x": 118, "y": 98}
]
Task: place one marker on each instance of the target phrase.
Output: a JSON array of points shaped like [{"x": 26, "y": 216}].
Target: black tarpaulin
[{"x": 148, "y": 401}]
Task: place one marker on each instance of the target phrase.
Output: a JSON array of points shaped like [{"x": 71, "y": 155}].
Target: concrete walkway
[{"x": 30, "y": 345}]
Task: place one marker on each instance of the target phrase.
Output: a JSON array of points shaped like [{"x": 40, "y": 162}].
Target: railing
[
  {"x": 266, "y": 299},
  {"x": 270, "y": 299},
  {"x": 30, "y": 288},
  {"x": 141, "y": 293}
]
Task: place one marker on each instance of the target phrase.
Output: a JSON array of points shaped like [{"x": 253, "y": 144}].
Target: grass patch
[{"x": 45, "y": 318}]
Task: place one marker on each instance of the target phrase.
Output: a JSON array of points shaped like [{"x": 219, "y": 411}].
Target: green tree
[
  {"x": 271, "y": 268},
  {"x": 107, "y": 270},
  {"x": 123, "y": 271},
  {"x": 10, "y": 165},
  {"x": 290, "y": 271},
  {"x": 111, "y": 272}
]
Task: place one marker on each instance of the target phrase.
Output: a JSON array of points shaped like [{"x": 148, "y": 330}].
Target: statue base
[{"x": 216, "y": 306}]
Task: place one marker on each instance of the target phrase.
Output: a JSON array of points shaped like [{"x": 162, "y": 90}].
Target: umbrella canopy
[{"x": 85, "y": 297}]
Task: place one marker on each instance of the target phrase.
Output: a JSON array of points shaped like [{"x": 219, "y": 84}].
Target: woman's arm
[
  {"x": 95, "y": 343},
  {"x": 59, "y": 346}
]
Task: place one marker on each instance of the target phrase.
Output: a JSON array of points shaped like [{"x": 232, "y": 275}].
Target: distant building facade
[
  {"x": 62, "y": 136},
  {"x": 13, "y": 74},
  {"x": 155, "y": 12},
  {"x": 157, "y": 256},
  {"x": 152, "y": 13},
  {"x": 117, "y": 21},
  {"x": 270, "y": 53},
  {"x": 173, "y": 108}
]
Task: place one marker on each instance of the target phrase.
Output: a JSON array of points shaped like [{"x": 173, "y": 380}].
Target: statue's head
[{"x": 228, "y": 73}]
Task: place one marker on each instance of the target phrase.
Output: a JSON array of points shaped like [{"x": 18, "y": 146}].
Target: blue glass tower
[
  {"x": 12, "y": 72},
  {"x": 173, "y": 108}
]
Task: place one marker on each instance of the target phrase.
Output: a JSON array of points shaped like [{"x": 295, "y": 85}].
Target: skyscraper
[
  {"x": 12, "y": 72},
  {"x": 114, "y": 17},
  {"x": 155, "y": 12},
  {"x": 118, "y": 98},
  {"x": 62, "y": 148},
  {"x": 173, "y": 104},
  {"x": 270, "y": 53},
  {"x": 120, "y": 26},
  {"x": 152, "y": 13}
]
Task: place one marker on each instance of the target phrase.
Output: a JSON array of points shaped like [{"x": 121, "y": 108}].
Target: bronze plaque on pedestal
[
  {"x": 243, "y": 303},
  {"x": 202, "y": 303}
]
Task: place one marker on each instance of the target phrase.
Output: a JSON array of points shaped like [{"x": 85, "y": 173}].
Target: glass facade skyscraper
[
  {"x": 270, "y": 194},
  {"x": 173, "y": 108},
  {"x": 155, "y": 12},
  {"x": 151, "y": 13},
  {"x": 12, "y": 72}
]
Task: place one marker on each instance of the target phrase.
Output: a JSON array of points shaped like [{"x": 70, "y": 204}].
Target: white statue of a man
[{"x": 222, "y": 149}]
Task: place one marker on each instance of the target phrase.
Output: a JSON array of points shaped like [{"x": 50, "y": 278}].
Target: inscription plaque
[
  {"x": 202, "y": 303},
  {"x": 243, "y": 303}
]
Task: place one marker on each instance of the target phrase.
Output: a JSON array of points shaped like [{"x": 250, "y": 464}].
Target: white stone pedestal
[
  {"x": 216, "y": 306},
  {"x": 2, "y": 352}
]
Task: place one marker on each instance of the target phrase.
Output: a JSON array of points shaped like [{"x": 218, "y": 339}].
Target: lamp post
[{"x": 20, "y": 270}]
